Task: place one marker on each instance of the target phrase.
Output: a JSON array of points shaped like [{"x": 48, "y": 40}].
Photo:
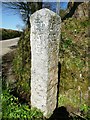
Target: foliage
[
  {"x": 8, "y": 34},
  {"x": 12, "y": 109},
  {"x": 85, "y": 111},
  {"x": 62, "y": 13},
  {"x": 73, "y": 105},
  {"x": 74, "y": 61},
  {"x": 22, "y": 62},
  {"x": 84, "y": 108},
  {"x": 73, "y": 58}
]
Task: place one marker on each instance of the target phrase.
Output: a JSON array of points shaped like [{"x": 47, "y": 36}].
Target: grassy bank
[
  {"x": 73, "y": 78},
  {"x": 9, "y": 34}
]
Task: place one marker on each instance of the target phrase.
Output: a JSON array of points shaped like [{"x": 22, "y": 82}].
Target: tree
[
  {"x": 72, "y": 8},
  {"x": 25, "y": 9}
]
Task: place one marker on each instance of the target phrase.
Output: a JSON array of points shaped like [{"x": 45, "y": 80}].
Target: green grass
[
  {"x": 12, "y": 109},
  {"x": 74, "y": 62},
  {"x": 73, "y": 59}
]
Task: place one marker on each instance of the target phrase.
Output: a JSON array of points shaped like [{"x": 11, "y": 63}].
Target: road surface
[{"x": 7, "y": 45}]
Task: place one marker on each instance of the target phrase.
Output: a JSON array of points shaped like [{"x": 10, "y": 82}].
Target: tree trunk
[{"x": 72, "y": 10}]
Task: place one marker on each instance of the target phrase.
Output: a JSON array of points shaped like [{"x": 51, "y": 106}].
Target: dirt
[{"x": 8, "y": 76}]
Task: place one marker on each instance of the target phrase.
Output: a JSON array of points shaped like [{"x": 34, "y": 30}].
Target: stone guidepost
[{"x": 45, "y": 39}]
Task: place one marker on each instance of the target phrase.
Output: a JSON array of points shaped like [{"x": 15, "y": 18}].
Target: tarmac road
[{"x": 8, "y": 45}]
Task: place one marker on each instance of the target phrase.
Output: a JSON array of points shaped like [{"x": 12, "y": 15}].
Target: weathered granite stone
[{"x": 45, "y": 38}]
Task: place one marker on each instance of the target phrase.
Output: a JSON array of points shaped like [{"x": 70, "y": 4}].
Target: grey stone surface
[{"x": 45, "y": 39}]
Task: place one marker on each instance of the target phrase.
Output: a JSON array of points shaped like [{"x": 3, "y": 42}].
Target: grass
[
  {"x": 8, "y": 34},
  {"x": 13, "y": 109},
  {"x": 74, "y": 62},
  {"x": 74, "y": 72}
]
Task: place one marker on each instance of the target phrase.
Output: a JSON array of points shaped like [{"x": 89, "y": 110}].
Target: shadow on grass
[{"x": 60, "y": 114}]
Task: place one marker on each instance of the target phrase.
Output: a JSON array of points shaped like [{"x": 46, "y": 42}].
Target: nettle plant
[{"x": 13, "y": 109}]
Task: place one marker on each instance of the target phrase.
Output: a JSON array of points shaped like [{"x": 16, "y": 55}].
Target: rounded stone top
[{"x": 44, "y": 12}]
